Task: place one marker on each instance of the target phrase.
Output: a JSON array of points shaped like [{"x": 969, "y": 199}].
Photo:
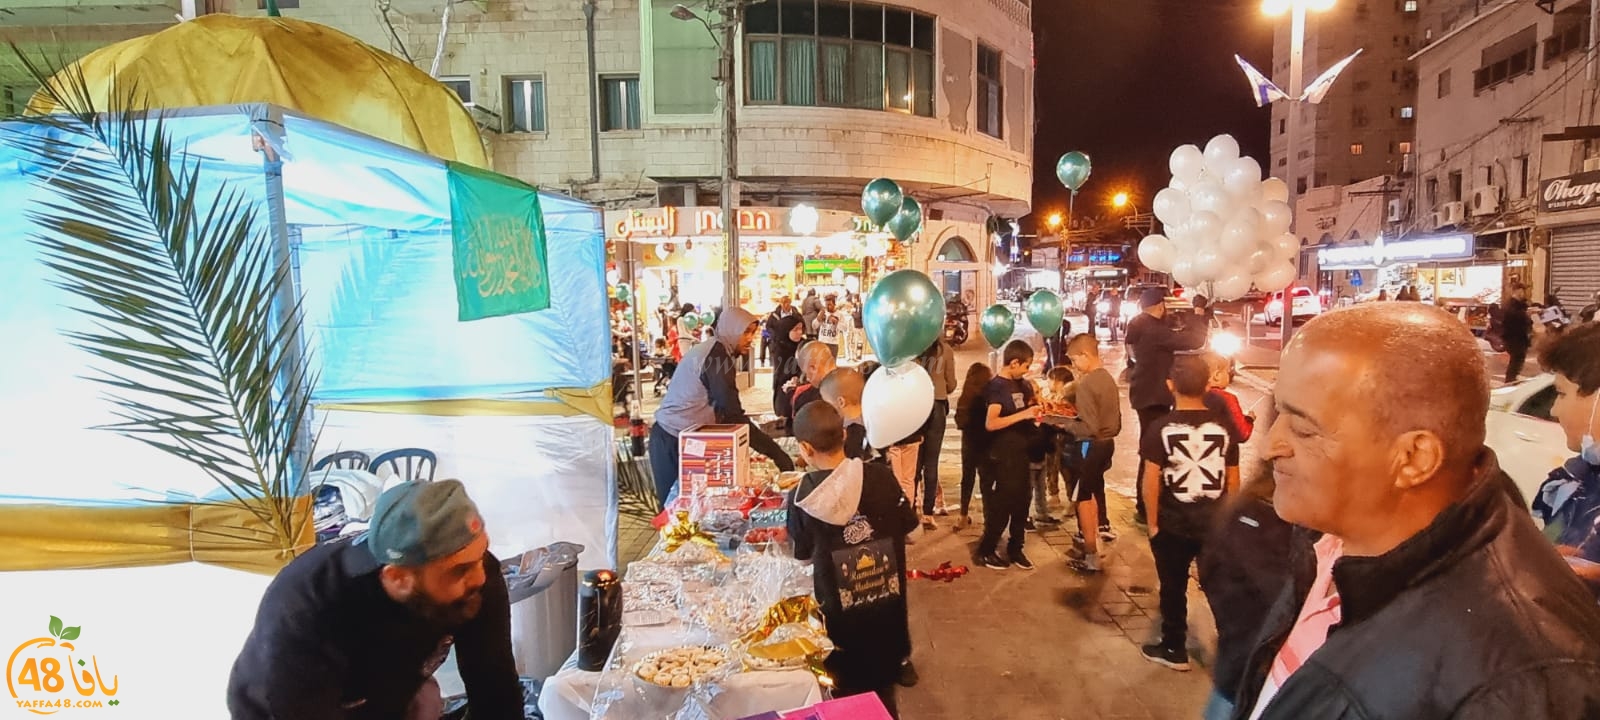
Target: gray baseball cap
[{"x": 415, "y": 523}]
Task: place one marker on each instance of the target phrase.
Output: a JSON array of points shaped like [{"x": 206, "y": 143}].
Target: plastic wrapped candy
[
  {"x": 791, "y": 635},
  {"x": 725, "y": 611},
  {"x": 685, "y": 668}
]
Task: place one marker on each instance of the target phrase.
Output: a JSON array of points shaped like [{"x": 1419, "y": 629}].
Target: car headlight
[
  {"x": 1129, "y": 311},
  {"x": 1103, "y": 307},
  {"x": 1226, "y": 344}
]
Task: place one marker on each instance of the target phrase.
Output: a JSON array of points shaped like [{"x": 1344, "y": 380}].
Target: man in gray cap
[
  {"x": 356, "y": 629},
  {"x": 1152, "y": 342}
]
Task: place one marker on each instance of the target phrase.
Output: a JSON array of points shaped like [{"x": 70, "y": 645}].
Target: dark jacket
[
  {"x": 1475, "y": 617},
  {"x": 1516, "y": 328},
  {"x": 1245, "y": 564},
  {"x": 1152, "y": 342},
  {"x": 329, "y": 643}
]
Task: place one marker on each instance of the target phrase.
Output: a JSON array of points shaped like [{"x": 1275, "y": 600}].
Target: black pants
[
  {"x": 1174, "y": 554},
  {"x": 1147, "y": 416},
  {"x": 1006, "y": 492},
  {"x": 928, "y": 460},
  {"x": 971, "y": 457},
  {"x": 1519, "y": 356},
  {"x": 663, "y": 461}
]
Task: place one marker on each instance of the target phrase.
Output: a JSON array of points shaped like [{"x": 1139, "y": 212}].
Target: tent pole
[
  {"x": 267, "y": 120},
  {"x": 632, "y": 278}
]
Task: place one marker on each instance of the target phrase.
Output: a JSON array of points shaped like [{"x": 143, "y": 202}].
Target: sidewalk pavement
[{"x": 1046, "y": 644}]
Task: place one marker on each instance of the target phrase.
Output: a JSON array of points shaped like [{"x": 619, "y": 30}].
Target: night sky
[{"x": 1126, "y": 81}]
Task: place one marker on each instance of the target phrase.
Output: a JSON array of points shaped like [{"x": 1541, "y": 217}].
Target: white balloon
[
  {"x": 1261, "y": 259},
  {"x": 1274, "y": 189},
  {"x": 1243, "y": 180},
  {"x": 1232, "y": 287},
  {"x": 1179, "y": 184},
  {"x": 1241, "y": 235},
  {"x": 1276, "y": 218},
  {"x": 1186, "y": 163},
  {"x": 1184, "y": 273},
  {"x": 1209, "y": 196},
  {"x": 1220, "y": 154},
  {"x": 1275, "y": 278},
  {"x": 1155, "y": 252},
  {"x": 1171, "y": 206},
  {"x": 1183, "y": 246},
  {"x": 1203, "y": 226},
  {"x": 1209, "y": 264},
  {"x": 896, "y": 403},
  {"x": 1285, "y": 246}
]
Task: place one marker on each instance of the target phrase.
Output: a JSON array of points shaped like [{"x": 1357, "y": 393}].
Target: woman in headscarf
[{"x": 787, "y": 333}]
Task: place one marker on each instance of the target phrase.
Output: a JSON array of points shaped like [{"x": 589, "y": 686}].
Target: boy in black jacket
[{"x": 850, "y": 520}]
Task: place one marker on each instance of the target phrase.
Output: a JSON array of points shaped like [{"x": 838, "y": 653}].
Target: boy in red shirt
[{"x": 1222, "y": 401}]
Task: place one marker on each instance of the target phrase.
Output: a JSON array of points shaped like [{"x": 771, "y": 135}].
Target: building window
[
  {"x": 1432, "y": 192},
  {"x": 839, "y": 53},
  {"x": 1444, "y": 84},
  {"x": 619, "y": 96},
  {"x": 1300, "y": 186},
  {"x": 524, "y": 111},
  {"x": 1283, "y": 126},
  {"x": 1283, "y": 162},
  {"x": 1455, "y": 186},
  {"x": 1410, "y": 6},
  {"x": 1408, "y": 112},
  {"x": 461, "y": 86},
  {"x": 1522, "y": 175},
  {"x": 991, "y": 94},
  {"x": 1357, "y": 148},
  {"x": 1405, "y": 147},
  {"x": 1506, "y": 60},
  {"x": 1570, "y": 33},
  {"x": 14, "y": 98}
]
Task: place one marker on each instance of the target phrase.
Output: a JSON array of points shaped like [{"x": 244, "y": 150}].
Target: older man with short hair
[{"x": 1433, "y": 595}]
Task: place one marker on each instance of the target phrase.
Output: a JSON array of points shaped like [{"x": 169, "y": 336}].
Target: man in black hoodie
[
  {"x": 1153, "y": 341},
  {"x": 1433, "y": 594}
]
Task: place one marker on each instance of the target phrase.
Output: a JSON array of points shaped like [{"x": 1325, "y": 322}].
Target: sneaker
[
  {"x": 1107, "y": 534},
  {"x": 1083, "y": 563},
  {"x": 993, "y": 562},
  {"x": 1020, "y": 560},
  {"x": 928, "y": 523},
  {"x": 964, "y": 522},
  {"x": 1029, "y": 525},
  {"x": 1047, "y": 520},
  {"x": 908, "y": 675},
  {"x": 1175, "y": 658}
]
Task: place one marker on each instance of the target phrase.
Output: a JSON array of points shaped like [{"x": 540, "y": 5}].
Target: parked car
[
  {"x": 1306, "y": 306},
  {"x": 1522, "y": 434}
]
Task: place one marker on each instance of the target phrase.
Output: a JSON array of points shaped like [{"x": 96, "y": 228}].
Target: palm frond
[{"x": 194, "y": 325}]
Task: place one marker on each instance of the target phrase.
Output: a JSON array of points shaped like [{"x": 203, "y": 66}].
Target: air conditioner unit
[
  {"x": 677, "y": 194},
  {"x": 1591, "y": 164},
  {"x": 1486, "y": 200},
  {"x": 1454, "y": 213},
  {"x": 1397, "y": 210},
  {"x": 1437, "y": 221}
]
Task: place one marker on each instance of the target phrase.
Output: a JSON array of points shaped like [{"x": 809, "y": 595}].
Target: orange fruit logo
[{"x": 45, "y": 675}]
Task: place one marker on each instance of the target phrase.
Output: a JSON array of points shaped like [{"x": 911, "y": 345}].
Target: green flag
[{"x": 498, "y": 233}]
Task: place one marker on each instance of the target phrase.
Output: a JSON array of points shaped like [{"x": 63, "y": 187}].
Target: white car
[
  {"x": 1306, "y": 306},
  {"x": 1528, "y": 442}
]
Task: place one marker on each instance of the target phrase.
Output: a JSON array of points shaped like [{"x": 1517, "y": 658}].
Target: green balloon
[
  {"x": 881, "y": 200},
  {"x": 998, "y": 324},
  {"x": 707, "y": 317},
  {"x": 1045, "y": 313},
  {"x": 903, "y": 316},
  {"x": 623, "y": 293},
  {"x": 908, "y": 222},
  {"x": 1073, "y": 170},
  {"x": 691, "y": 321}
]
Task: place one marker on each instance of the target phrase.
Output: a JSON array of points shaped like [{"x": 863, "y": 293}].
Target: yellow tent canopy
[{"x": 225, "y": 59}]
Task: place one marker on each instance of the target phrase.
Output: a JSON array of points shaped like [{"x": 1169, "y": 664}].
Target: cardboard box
[
  {"x": 713, "y": 456},
  {"x": 865, "y": 706}
]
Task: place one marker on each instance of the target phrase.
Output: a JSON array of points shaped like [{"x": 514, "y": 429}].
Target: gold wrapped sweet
[{"x": 791, "y": 636}]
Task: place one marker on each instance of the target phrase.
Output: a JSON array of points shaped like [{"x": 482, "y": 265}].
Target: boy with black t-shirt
[
  {"x": 1012, "y": 419},
  {"x": 850, "y": 520},
  {"x": 1190, "y": 461}
]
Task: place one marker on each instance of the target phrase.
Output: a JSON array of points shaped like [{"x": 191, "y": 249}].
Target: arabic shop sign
[
  {"x": 1380, "y": 253},
  {"x": 826, "y": 266},
  {"x": 1095, "y": 256},
  {"x": 1573, "y": 192},
  {"x": 673, "y": 222}
]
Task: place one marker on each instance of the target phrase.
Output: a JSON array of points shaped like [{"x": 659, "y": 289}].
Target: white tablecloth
[{"x": 569, "y": 694}]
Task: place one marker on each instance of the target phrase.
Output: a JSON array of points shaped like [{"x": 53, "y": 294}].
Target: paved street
[{"x": 1049, "y": 643}]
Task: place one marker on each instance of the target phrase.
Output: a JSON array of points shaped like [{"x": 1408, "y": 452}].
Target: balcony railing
[{"x": 1017, "y": 10}]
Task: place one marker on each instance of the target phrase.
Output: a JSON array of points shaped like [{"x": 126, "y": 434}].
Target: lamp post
[
  {"x": 1297, "y": 10},
  {"x": 724, "y": 33}
]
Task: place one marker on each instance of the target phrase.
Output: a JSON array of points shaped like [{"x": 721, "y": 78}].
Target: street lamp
[
  {"x": 1119, "y": 200},
  {"x": 1297, "y": 10},
  {"x": 1054, "y": 221},
  {"x": 732, "y": 14}
]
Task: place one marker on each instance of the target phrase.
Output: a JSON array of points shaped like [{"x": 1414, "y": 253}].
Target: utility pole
[
  {"x": 732, "y": 12},
  {"x": 1297, "y": 55}
]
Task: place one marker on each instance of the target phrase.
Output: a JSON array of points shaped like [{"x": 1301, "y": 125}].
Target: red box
[{"x": 713, "y": 456}]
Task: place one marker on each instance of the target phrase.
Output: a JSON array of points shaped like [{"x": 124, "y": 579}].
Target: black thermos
[{"x": 599, "y": 618}]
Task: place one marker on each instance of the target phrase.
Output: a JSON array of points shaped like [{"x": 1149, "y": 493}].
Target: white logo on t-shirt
[{"x": 1197, "y": 460}]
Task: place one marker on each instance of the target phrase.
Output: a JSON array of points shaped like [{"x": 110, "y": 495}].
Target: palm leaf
[{"x": 195, "y": 329}]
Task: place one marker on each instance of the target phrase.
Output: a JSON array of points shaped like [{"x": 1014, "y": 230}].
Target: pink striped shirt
[{"x": 1318, "y": 615}]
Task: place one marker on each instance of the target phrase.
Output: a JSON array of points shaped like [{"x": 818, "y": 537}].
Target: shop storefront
[
  {"x": 675, "y": 256},
  {"x": 1569, "y": 210},
  {"x": 1446, "y": 267}
]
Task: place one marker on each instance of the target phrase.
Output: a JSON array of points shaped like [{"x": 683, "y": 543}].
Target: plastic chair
[
  {"x": 408, "y": 463},
  {"x": 346, "y": 460}
]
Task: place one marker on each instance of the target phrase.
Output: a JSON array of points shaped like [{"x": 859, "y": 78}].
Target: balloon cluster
[
  {"x": 887, "y": 207},
  {"x": 1226, "y": 228},
  {"x": 903, "y": 316}
]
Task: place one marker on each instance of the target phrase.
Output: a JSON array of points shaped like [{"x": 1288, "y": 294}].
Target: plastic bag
[{"x": 623, "y": 694}]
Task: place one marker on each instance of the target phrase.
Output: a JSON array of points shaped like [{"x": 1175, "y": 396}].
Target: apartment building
[
  {"x": 1363, "y": 128},
  {"x": 617, "y": 102},
  {"x": 1505, "y": 132}
]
